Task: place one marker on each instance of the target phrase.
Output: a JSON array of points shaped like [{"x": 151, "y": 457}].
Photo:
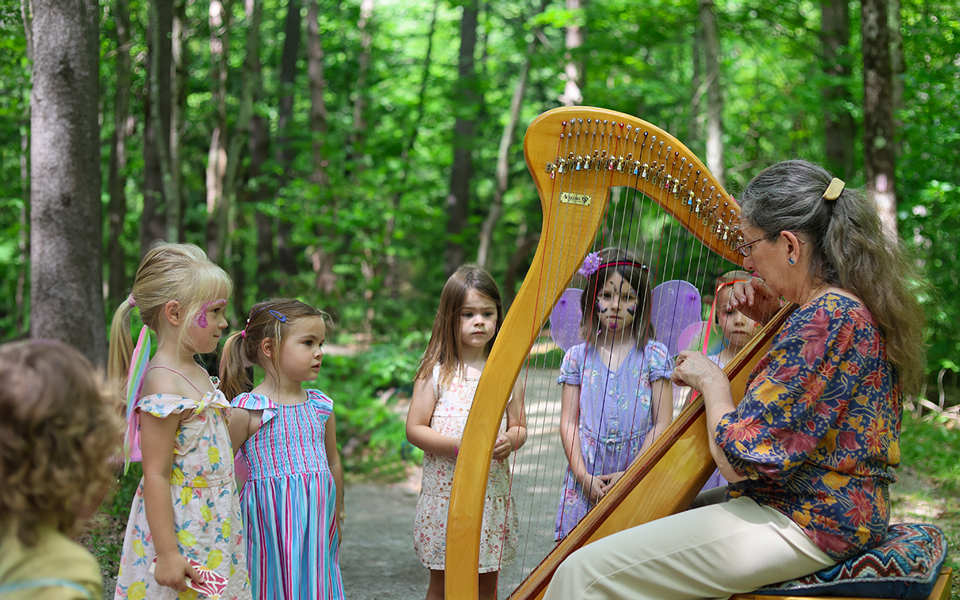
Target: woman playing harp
[{"x": 810, "y": 449}]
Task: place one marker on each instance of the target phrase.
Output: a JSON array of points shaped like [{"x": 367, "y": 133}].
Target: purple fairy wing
[
  {"x": 676, "y": 305},
  {"x": 565, "y": 320},
  {"x": 691, "y": 338},
  {"x": 138, "y": 367}
]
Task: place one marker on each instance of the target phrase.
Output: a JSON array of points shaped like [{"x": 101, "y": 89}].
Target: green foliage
[
  {"x": 932, "y": 447},
  {"x": 371, "y": 391}
]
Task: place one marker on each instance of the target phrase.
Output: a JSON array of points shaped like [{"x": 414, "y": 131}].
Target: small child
[
  {"x": 463, "y": 334},
  {"x": 617, "y": 396},
  {"x": 293, "y": 498},
  {"x": 186, "y": 507},
  {"x": 59, "y": 430}
]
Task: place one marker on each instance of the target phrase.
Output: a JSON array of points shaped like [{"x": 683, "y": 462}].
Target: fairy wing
[
  {"x": 565, "y": 320},
  {"x": 138, "y": 367}
]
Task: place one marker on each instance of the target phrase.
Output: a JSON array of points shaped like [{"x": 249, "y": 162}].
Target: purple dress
[{"x": 615, "y": 416}]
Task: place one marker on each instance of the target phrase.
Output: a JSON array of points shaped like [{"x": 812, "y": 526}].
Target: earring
[{"x": 791, "y": 261}]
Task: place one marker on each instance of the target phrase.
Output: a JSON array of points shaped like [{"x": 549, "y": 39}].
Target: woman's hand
[
  {"x": 755, "y": 299},
  {"x": 695, "y": 370},
  {"x": 172, "y": 571},
  {"x": 502, "y": 448}
]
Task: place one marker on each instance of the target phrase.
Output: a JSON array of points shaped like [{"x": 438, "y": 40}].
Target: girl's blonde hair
[
  {"x": 180, "y": 272},
  {"x": 270, "y": 319},
  {"x": 59, "y": 430},
  {"x": 850, "y": 250},
  {"x": 617, "y": 260},
  {"x": 445, "y": 347}
]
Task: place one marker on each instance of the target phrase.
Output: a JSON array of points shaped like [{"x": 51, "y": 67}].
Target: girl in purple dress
[
  {"x": 616, "y": 385},
  {"x": 292, "y": 502}
]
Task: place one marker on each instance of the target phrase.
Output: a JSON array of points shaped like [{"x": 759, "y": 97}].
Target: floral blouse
[{"x": 818, "y": 431}]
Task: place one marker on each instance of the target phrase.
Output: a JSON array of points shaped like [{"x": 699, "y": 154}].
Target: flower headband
[{"x": 591, "y": 264}]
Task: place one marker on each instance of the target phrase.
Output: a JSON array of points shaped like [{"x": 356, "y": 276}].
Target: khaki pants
[{"x": 709, "y": 552}]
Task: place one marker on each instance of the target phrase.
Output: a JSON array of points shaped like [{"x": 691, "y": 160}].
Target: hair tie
[
  {"x": 243, "y": 334},
  {"x": 130, "y": 300},
  {"x": 834, "y": 189}
]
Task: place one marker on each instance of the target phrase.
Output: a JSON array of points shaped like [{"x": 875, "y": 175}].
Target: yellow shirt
[{"x": 54, "y": 558}]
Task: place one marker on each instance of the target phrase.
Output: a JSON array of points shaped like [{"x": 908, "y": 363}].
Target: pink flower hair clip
[{"x": 590, "y": 264}]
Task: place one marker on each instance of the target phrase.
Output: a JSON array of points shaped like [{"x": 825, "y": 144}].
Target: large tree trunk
[
  {"x": 217, "y": 202},
  {"x": 467, "y": 102},
  {"x": 66, "y": 296},
  {"x": 840, "y": 125},
  {"x": 116, "y": 179},
  {"x": 503, "y": 155},
  {"x": 284, "y": 148},
  {"x": 24, "y": 235},
  {"x": 878, "y": 131},
  {"x": 178, "y": 109},
  {"x": 711, "y": 59},
  {"x": 156, "y": 127},
  {"x": 573, "y": 69}
]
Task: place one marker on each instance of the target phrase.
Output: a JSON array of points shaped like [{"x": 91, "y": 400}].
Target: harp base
[{"x": 941, "y": 591}]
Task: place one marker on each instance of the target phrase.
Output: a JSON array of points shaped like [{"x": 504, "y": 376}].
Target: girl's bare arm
[{"x": 419, "y": 432}]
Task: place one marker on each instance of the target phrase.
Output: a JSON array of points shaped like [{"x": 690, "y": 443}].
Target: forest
[{"x": 352, "y": 153}]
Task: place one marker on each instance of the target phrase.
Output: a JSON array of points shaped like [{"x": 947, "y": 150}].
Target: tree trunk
[
  {"x": 156, "y": 128},
  {"x": 840, "y": 125},
  {"x": 879, "y": 159},
  {"x": 24, "y": 235},
  {"x": 573, "y": 70},
  {"x": 467, "y": 102},
  {"x": 284, "y": 151},
  {"x": 66, "y": 296},
  {"x": 217, "y": 207},
  {"x": 897, "y": 65},
  {"x": 503, "y": 154},
  {"x": 711, "y": 56},
  {"x": 178, "y": 107},
  {"x": 696, "y": 82},
  {"x": 116, "y": 178}
]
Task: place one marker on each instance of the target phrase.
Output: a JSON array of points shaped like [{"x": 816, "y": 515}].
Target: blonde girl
[
  {"x": 59, "y": 430},
  {"x": 443, "y": 391},
  {"x": 186, "y": 507},
  {"x": 292, "y": 501},
  {"x": 617, "y": 397}
]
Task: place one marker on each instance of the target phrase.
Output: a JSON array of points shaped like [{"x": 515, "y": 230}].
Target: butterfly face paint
[
  {"x": 201, "y": 319},
  {"x": 632, "y": 310}
]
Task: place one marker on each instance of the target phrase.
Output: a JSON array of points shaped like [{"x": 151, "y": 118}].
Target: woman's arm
[
  {"x": 336, "y": 469},
  {"x": 419, "y": 432},
  {"x": 156, "y": 442},
  {"x": 516, "y": 434}
]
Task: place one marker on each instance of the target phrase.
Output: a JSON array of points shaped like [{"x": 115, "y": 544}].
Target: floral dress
[
  {"x": 818, "y": 431},
  {"x": 206, "y": 506},
  {"x": 500, "y": 525},
  {"x": 615, "y": 416}
]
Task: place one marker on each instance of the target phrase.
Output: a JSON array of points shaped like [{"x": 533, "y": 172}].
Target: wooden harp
[{"x": 578, "y": 158}]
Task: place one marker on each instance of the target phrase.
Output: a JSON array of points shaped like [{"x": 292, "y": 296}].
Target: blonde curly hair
[{"x": 59, "y": 430}]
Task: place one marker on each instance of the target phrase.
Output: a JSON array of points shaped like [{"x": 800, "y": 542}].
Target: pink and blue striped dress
[{"x": 289, "y": 501}]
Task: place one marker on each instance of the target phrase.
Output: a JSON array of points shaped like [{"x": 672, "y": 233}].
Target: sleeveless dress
[
  {"x": 206, "y": 506},
  {"x": 615, "y": 416},
  {"x": 500, "y": 525},
  {"x": 289, "y": 501}
]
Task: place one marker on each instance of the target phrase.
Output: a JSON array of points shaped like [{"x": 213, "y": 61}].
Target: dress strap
[
  {"x": 46, "y": 582},
  {"x": 202, "y": 393}
]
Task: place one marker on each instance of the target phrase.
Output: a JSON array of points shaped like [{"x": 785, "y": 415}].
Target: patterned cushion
[{"x": 906, "y": 565}]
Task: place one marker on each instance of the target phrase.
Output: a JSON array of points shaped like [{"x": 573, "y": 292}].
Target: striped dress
[{"x": 289, "y": 501}]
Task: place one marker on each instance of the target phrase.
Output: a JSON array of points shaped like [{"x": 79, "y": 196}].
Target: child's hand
[
  {"x": 173, "y": 570},
  {"x": 609, "y": 480},
  {"x": 594, "y": 488},
  {"x": 503, "y": 447}
]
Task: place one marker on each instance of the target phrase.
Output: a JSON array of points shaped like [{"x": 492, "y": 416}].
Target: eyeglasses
[{"x": 746, "y": 248}]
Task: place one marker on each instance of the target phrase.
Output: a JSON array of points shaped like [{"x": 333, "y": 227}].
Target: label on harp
[{"x": 578, "y": 199}]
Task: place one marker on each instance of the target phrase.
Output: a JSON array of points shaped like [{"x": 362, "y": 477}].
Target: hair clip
[
  {"x": 279, "y": 317},
  {"x": 834, "y": 189},
  {"x": 590, "y": 264}
]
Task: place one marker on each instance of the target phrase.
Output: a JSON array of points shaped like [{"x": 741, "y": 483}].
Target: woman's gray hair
[{"x": 849, "y": 249}]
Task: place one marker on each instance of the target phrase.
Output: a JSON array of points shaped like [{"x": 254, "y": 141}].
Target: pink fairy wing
[
  {"x": 138, "y": 367},
  {"x": 676, "y": 305},
  {"x": 565, "y": 320}
]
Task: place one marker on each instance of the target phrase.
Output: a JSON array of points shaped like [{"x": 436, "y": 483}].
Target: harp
[{"x": 583, "y": 161}]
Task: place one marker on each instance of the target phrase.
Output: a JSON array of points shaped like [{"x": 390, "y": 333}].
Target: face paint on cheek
[
  {"x": 632, "y": 310},
  {"x": 600, "y": 307},
  {"x": 201, "y": 319}
]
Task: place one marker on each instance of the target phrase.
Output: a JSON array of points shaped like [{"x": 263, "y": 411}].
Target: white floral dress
[
  {"x": 206, "y": 506},
  {"x": 500, "y": 526}
]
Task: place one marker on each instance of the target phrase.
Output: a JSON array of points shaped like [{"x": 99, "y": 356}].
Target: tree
[
  {"x": 116, "y": 177},
  {"x": 711, "y": 54},
  {"x": 878, "y": 142},
  {"x": 840, "y": 127},
  {"x": 65, "y": 222}
]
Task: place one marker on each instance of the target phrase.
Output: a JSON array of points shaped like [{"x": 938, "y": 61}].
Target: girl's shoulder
[
  {"x": 656, "y": 347},
  {"x": 163, "y": 404},
  {"x": 321, "y": 400},
  {"x": 251, "y": 401}
]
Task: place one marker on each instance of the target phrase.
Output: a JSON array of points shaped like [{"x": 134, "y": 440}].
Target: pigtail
[
  {"x": 121, "y": 350},
  {"x": 234, "y": 379}
]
